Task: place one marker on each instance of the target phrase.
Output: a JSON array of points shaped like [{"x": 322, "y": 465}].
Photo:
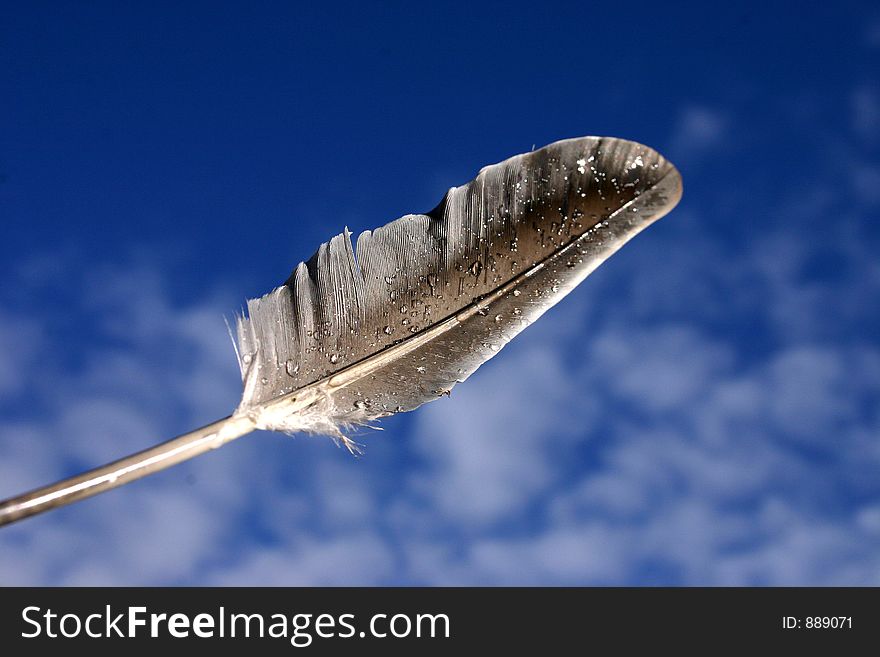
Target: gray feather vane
[
  {"x": 358, "y": 333},
  {"x": 416, "y": 306}
]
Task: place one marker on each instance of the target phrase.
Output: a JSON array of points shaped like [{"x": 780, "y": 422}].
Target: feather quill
[{"x": 359, "y": 332}]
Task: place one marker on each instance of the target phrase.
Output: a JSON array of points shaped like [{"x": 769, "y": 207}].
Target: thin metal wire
[{"x": 124, "y": 470}]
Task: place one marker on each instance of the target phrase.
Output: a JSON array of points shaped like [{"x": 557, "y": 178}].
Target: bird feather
[
  {"x": 355, "y": 334},
  {"x": 360, "y": 332}
]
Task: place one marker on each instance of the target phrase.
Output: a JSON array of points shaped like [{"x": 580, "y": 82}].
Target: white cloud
[
  {"x": 865, "y": 109},
  {"x": 358, "y": 559},
  {"x": 26, "y": 462},
  {"x": 490, "y": 447},
  {"x": 699, "y": 130},
  {"x": 21, "y": 340},
  {"x": 666, "y": 367},
  {"x": 866, "y": 181}
]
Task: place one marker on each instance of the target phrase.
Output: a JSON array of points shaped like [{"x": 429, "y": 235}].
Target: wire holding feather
[{"x": 125, "y": 470}]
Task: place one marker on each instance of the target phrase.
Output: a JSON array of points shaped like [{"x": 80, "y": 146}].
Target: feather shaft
[{"x": 125, "y": 470}]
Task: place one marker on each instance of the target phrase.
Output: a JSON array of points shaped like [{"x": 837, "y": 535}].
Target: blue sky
[{"x": 702, "y": 410}]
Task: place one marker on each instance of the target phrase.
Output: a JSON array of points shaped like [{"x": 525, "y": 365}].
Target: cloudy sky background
[{"x": 702, "y": 410}]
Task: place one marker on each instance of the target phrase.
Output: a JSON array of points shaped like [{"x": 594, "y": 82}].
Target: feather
[
  {"x": 355, "y": 334},
  {"x": 360, "y": 332}
]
